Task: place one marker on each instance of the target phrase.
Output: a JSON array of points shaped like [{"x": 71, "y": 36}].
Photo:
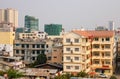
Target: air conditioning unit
[
  {"x": 71, "y": 42},
  {"x": 71, "y": 60}
]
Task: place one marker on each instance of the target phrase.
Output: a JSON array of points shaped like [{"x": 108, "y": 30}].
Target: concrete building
[
  {"x": 9, "y": 16},
  {"x": 31, "y": 24},
  {"x": 91, "y": 51},
  {"x": 55, "y": 54},
  {"x": 29, "y": 49},
  {"x": 33, "y": 35},
  {"x": 7, "y": 36},
  {"x": 10, "y": 62},
  {"x": 111, "y": 25},
  {"x": 53, "y": 29}
]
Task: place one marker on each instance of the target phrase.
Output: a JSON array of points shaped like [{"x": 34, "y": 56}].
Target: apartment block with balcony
[
  {"x": 76, "y": 53},
  {"x": 101, "y": 50},
  {"x": 29, "y": 49}
]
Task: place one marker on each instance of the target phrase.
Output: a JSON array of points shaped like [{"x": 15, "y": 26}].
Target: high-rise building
[
  {"x": 31, "y": 24},
  {"x": 53, "y": 29},
  {"x": 111, "y": 25},
  {"x": 9, "y": 16}
]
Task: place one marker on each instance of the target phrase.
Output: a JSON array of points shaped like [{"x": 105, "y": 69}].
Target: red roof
[{"x": 88, "y": 33}]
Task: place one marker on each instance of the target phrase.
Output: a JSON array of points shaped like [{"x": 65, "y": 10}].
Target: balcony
[{"x": 96, "y": 57}]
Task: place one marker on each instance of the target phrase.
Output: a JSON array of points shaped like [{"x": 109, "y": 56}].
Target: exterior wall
[
  {"x": 75, "y": 54},
  {"x": 28, "y": 35},
  {"x": 55, "y": 56},
  {"x": 103, "y": 55},
  {"x": 6, "y": 42}
]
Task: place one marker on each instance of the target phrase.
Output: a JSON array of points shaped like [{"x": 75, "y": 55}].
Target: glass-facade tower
[
  {"x": 31, "y": 24},
  {"x": 53, "y": 29}
]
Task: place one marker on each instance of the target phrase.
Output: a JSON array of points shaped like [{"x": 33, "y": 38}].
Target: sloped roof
[{"x": 88, "y": 33}]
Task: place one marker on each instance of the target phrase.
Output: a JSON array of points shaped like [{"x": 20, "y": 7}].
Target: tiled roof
[{"x": 87, "y": 33}]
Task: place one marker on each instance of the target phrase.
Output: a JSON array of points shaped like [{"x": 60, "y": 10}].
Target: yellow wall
[{"x": 7, "y": 37}]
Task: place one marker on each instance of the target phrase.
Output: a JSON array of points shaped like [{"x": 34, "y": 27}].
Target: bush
[{"x": 113, "y": 77}]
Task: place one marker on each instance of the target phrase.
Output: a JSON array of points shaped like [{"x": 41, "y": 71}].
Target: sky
[{"x": 72, "y": 14}]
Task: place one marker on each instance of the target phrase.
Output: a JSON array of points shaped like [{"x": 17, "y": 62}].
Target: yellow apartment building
[{"x": 89, "y": 51}]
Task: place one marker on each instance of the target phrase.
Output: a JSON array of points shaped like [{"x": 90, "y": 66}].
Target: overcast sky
[{"x": 72, "y": 14}]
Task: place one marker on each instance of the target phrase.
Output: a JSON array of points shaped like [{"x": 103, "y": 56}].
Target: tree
[
  {"x": 63, "y": 76},
  {"x": 113, "y": 77},
  {"x": 82, "y": 74},
  {"x": 12, "y": 73},
  {"x": 41, "y": 59}
]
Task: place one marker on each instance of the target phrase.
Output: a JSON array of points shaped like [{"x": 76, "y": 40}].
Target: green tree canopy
[
  {"x": 12, "y": 73},
  {"x": 41, "y": 59}
]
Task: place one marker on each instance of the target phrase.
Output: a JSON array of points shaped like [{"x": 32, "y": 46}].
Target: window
[
  {"x": 33, "y": 52},
  {"x": 17, "y": 51},
  {"x": 49, "y": 58},
  {"x": 55, "y": 56},
  {"x": 96, "y": 62},
  {"x": 67, "y": 57},
  {"x": 96, "y": 53},
  {"x": 27, "y": 45},
  {"x": 76, "y": 67},
  {"x": 23, "y": 52},
  {"x": 96, "y": 46},
  {"x": 76, "y": 49},
  {"x": 23, "y": 45},
  {"x": 96, "y": 39},
  {"x": 38, "y": 46},
  {"x": 47, "y": 46},
  {"x": 42, "y": 46},
  {"x": 38, "y": 52},
  {"x": 102, "y": 39},
  {"x": 67, "y": 67},
  {"x": 107, "y": 46},
  {"x": 33, "y": 46},
  {"x": 68, "y": 40},
  {"x": 67, "y": 49},
  {"x": 76, "y": 58},
  {"x": 107, "y": 62},
  {"x": 107, "y": 39},
  {"x": 107, "y": 53},
  {"x": 76, "y": 40},
  {"x": 17, "y": 44},
  {"x": 33, "y": 58}
]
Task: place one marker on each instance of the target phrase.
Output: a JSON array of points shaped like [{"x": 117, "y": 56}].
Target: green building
[
  {"x": 31, "y": 24},
  {"x": 53, "y": 29}
]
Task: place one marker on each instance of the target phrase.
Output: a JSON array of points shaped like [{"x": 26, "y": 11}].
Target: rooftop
[{"x": 88, "y": 33}]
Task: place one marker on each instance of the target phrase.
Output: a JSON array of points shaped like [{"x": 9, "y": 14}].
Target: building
[
  {"x": 10, "y": 62},
  {"x": 31, "y": 24},
  {"x": 29, "y": 49},
  {"x": 7, "y": 36},
  {"x": 56, "y": 53},
  {"x": 100, "y": 28},
  {"x": 9, "y": 16},
  {"x": 91, "y": 51},
  {"x": 76, "y": 56},
  {"x": 111, "y": 25},
  {"x": 53, "y": 29}
]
